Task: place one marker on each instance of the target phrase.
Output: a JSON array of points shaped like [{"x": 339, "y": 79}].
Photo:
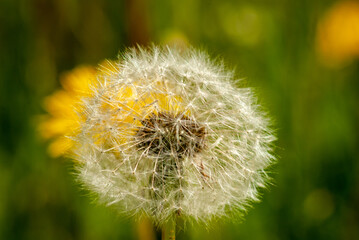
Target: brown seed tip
[{"x": 168, "y": 134}]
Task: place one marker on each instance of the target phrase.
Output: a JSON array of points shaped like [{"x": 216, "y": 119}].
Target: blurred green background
[{"x": 315, "y": 190}]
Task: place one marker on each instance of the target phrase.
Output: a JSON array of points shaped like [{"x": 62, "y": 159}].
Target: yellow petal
[
  {"x": 61, "y": 104},
  {"x": 60, "y": 147},
  {"x": 58, "y": 127},
  {"x": 79, "y": 81}
]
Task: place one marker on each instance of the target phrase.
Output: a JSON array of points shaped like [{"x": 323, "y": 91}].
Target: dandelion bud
[{"x": 166, "y": 133}]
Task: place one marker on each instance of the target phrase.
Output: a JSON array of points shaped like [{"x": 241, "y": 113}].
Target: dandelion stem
[{"x": 169, "y": 230}]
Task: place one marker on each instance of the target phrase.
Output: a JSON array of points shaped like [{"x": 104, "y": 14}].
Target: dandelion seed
[{"x": 166, "y": 133}]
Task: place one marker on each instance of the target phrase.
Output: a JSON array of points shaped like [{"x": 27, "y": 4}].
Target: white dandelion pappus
[{"x": 167, "y": 133}]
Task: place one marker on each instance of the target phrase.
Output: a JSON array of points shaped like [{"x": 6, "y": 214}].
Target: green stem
[{"x": 169, "y": 230}]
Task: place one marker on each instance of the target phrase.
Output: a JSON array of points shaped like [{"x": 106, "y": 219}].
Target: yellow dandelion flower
[
  {"x": 63, "y": 121},
  {"x": 65, "y": 107},
  {"x": 338, "y": 33}
]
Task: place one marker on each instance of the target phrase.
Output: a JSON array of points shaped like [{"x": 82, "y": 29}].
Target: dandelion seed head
[{"x": 165, "y": 132}]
